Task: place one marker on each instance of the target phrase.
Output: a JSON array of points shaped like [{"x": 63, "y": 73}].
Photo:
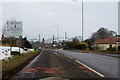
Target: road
[
  {"x": 53, "y": 64},
  {"x": 107, "y": 65}
]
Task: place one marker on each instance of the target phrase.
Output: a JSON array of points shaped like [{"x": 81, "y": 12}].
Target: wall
[{"x": 105, "y": 46}]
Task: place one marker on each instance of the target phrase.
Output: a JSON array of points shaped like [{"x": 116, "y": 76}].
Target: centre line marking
[{"x": 90, "y": 68}]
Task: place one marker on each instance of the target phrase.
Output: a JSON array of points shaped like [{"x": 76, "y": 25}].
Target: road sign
[{"x": 14, "y": 28}]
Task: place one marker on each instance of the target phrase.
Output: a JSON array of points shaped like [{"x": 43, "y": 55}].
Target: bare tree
[{"x": 101, "y": 33}]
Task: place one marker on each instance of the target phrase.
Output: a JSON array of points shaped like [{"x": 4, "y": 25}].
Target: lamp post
[
  {"x": 57, "y": 31},
  {"x": 82, "y": 21},
  {"x": 39, "y": 38},
  {"x": 53, "y": 41},
  {"x": 65, "y": 36}
]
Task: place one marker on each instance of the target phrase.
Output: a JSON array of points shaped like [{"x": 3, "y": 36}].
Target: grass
[
  {"x": 16, "y": 63},
  {"x": 98, "y": 51},
  {"x": 103, "y": 51}
]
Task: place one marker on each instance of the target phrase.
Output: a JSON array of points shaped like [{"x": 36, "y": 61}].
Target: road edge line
[
  {"x": 90, "y": 69},
  {"x": 69, "y": 57}
]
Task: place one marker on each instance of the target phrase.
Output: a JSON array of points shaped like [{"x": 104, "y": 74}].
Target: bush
[
  {"x": 91, "y": 48},
  {"x": 111, "y": 49},
  {"x": 27, "y": 43},
  {"x": 82, "y": 46},
  {"x": 73, "y": 45}
]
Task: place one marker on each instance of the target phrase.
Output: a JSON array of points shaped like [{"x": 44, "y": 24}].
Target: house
[
  {"x": 14, "y": 41},
  {"x": 103, "y": 44}
]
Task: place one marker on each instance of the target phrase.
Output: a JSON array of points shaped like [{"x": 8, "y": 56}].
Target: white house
[{"x": 103, "y": 44}]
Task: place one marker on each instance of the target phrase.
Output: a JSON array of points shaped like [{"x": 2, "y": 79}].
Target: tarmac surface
[
  {"x": 105, "y": 64},
  {"x": 51, "y": 65}
]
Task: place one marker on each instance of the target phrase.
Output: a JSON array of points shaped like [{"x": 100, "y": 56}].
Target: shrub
[
  {"x": 86, "y": 44},
  {"x": 111, "y": 49},
  {"x": 73, "y": 45},
  {"x": 83, "y": 45}
]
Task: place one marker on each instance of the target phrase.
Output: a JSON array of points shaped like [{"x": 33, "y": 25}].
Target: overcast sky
[{"x": 39, "y": 17}]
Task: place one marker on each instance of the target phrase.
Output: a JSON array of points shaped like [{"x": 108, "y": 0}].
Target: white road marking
[
  {"x": 69, "y": 57},
  {"x": 56, "y": 53},
  {"x": 90, "y": 68}
]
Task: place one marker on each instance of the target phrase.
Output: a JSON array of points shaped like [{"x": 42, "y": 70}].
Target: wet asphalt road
[
  {"x": 52, "y": 64},
  {"x": 106, "y": 65}
]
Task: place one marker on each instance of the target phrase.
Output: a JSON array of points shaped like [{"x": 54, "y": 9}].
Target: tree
[
  {"x": 43, "y": 40},
  {"x": 75, "y": 41},
  {"x": 27, "y": 43},
  {"x": 101, "y": 33},
  {"x": 4, "y": 31}
]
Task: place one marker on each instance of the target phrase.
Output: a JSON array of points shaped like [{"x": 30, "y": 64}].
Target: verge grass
[
  {"x": 103, "y": 51},
  {"x": 16, "y": 63}
]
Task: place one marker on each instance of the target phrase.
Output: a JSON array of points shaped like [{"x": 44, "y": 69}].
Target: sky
[{"x": 40, "y": 17}]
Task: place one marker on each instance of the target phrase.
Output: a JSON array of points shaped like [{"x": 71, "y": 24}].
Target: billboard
[{"x": 14, "y": 28}]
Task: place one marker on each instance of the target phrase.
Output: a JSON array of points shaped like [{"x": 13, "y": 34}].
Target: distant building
[
  {"x": 16, "y": 42},
  {"x": 103, "y": 44}
]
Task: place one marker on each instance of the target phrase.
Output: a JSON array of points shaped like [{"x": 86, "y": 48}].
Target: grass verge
[
  {"x": 13, "y": 65},
  {"x": 102, "y": 51},
  {"x": 96, "y": 51}
]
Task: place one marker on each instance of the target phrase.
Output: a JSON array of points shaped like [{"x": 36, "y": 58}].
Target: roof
[{"x": 108, "y": 40}]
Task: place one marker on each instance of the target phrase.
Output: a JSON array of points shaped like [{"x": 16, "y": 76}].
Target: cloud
[
  {"x": 47, "y": 12},
  {"x": 35, "y": 8},
  {"x": 58, "y": 0},
  {"x": 39, "y": 16}
]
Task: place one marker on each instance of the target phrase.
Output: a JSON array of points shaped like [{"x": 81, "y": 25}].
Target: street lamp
[
  {"x": 57, "y": 31},
  {"x": 82, "y": 19},
  {"x": 65, "y": 36}
]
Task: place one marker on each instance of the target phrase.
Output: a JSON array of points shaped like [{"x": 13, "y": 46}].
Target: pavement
[
  {"x": 52, "y": 65},
  {"x": 105, "y": 64}
]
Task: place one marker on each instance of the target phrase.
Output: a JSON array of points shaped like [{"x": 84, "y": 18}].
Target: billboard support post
[
  {"x": 10, "y": 45},
  {"x": 19, "y": 43}
]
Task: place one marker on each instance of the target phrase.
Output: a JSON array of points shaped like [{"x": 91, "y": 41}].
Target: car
[{"x": 39, "y": 48}]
